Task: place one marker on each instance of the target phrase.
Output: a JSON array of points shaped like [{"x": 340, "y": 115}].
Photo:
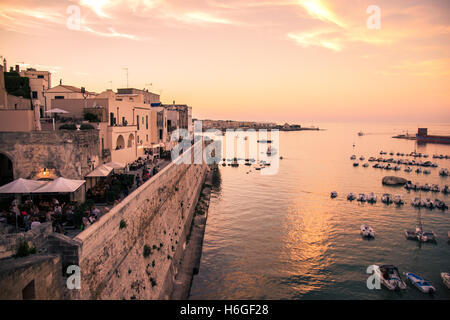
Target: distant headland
[{"x": 232, "y": 124}]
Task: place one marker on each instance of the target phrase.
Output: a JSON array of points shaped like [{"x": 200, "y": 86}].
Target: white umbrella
[
  {"x": 61, "y": 185},
  {"x": 56, "y": 110},
  {"x": 21, "y": 186},
  {"x": 101, "y": 171},
  {"x": 115, "y": 165}
]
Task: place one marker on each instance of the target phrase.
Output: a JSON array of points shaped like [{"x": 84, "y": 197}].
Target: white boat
[
  {"x": 386, "y": 198},
  {"x": 446, "y": 279},
  {"x": 361, "y": 158},
  {"x": 390, "y": 277},
  {"x": 421, "y": 284},
  {"x": 435, "y": 188},
  {"x": 425, "y": 187},
  {"x": 416, "y": 202},
  {"x": 408, "y": 169},
  {"x": 353, "y": 157},
  {"x": 420, "y": 235},
  {"x": 351, "y": 196},
  {"x": 446, "y": 190},
  {"x": 397, "y": 168},
  {"x": 361, "y": 197},
  {"x": 333, "y": 194},
  {"x": 371, "y": 198},
  {"x": 367, "y": 231},
  {"x": 365, "y": 165},
  {"x": 398, "y": 200}
]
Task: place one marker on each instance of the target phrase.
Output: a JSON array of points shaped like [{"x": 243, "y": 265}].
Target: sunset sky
[{"x": 298, "y": 61}]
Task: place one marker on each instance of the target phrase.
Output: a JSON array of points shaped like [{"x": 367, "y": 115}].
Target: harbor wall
[{"x": 135, "y": 250}]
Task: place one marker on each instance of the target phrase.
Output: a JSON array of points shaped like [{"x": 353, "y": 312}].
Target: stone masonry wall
[
  {"x": 140, "y": 260},
  {"x": 41, "y": 271},
  {"x": 65, "y": 151}
]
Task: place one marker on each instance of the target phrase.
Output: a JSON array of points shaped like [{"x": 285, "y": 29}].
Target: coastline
[{"x": 190, "y": 263}]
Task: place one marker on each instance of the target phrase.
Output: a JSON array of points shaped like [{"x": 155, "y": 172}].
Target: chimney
[
  {"x": 60, "y": 82},
  {"x": 17, "y": 68},
  {"x": 5, "y": 66}
]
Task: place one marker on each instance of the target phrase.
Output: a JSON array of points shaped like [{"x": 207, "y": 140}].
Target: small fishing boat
[
  {"x": 387, "y": 198},
  {"x": 418, "y": 170},
  {"x": 425, "y": 187},
  {"x": 408, "y": 169},
  {"x": 351, "y": 196},
  {"x": 353, "y": 157},
  {"x": 367, "y": 231},
  {"x": 355, "y": 164},
  {"x": 362, "y": 158},
  {"x": 421, "y": 284},
  {"x": 361, "y": 197},
  {"x": 390, "y": 277},
  {"x": 371, "y": 159},
  {"x": 426, "y": 171},
  {"x": 420, "y": 235},
  {"x": 371, "y": 198},
  {"x": 398, "y": 200},
  {"x": 435, "y": 188},
  {"x": 334, "y": 194},
  {"x": 443, "y": 172},
  {"x": 446, "y": 279},
  {"x": 397, "y": 168},
  {"x": 416, "y": 202},
  {"x": 365, "y": 165},
  {"x": 446, "y": 190},
  {"x": 439, "y": 204}
]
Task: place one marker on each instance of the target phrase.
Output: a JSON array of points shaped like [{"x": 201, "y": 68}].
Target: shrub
[
  {"x": 147, "y": 251},
  {"x": 86, "y": 126},
  {"x": 68, "y": 127},
  {"x": 91, "y": 117},
  {"x": 24, "y": 249}
]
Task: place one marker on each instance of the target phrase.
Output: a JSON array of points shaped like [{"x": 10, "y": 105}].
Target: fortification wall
[{"x": 135, "y": 250}]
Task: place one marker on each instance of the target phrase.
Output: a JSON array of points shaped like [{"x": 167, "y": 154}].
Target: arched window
[
  {"x": 120, "y": 144},
  {"x": 130, "y": 140}
]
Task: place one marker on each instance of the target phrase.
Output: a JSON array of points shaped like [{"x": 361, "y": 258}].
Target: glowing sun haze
[{"x": 296, "y": 61}]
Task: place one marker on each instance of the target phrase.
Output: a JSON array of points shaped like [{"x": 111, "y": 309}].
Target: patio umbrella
[
  {"x": 21, "y": 186},
  {"x": 115, "y": 165},
  {"x": 101, "y": 171},
  {"x": 55, "y": 111},
  {"x": 60, "y": 185}
]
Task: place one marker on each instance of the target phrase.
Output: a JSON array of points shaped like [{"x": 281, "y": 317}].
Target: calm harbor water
[{"x": 282, "y": 237}]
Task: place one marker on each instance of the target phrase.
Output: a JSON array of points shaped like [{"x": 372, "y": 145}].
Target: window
[
  {"x": 131, "y": 99},
  {"x": 146, "y": 136},
  {"x": 34, "y": 94},
  {"x": 59, "y": 97},
  {"x": 146, "y": 122},
  {"x": 40, "y": 76},
  {"x": 137, "y": 120}
]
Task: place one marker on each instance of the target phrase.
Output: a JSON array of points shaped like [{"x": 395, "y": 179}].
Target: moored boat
[
  {"x": 351, "y": 196},
  {"x": 390, "y": 277},
  {"x": 446, "y": 279},
  {"x": 420, "y": 283},
  {"x": 367, "y": 231},
  {"x": 334, "y": 194}
]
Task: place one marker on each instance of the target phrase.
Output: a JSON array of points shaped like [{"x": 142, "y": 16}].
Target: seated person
[{"x": 34, "y": 223}]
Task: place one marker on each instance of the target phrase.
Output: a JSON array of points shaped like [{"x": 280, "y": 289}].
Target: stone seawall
[
  {"x": 65, "y": 151},
  {"x": 133, "y": 252}
]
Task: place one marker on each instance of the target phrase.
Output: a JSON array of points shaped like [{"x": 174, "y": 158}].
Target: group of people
[
  {"x": 30, "y": 215},
  {"x": 89, "y": 217}
]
